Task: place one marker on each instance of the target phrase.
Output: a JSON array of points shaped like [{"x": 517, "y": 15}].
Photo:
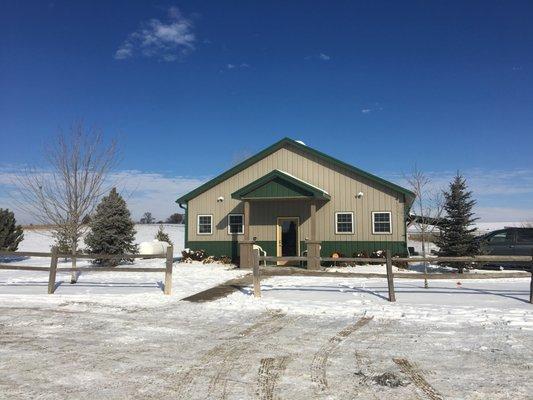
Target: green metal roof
[
  {"x": 287, "y": 142},
  {"x": 279, "y": 185}
]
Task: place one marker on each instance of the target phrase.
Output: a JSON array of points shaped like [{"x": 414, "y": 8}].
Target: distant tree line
[{"x": 148, "y": 218}]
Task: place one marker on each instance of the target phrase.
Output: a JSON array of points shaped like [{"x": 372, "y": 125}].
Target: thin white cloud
[
  {"x": 143, "y": 191},
  {"x": 500, "y": 193},
  {"x": 371, "y": 108},
  {"x": 167, "y": 40},
  {"x": 484, "y": 182},
  {"x": 504, "y": 214},
  {"x": 319, "y": 56},
  {"x": 237, "y": 66}
]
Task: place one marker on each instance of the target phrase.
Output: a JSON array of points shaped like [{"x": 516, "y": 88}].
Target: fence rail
[
  {"x": 389, "y": 261},
  {"x": 55, "y": 256}
]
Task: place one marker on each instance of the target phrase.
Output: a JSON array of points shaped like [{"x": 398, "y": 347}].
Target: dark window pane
[
  {"x": 236, "y": 224},
  {"x": 204, "y": 224},
  {"x": 525, "y": 236},
  {"x": 344, "y": 223},
  {"x": 501, "y": 237},
  {"x": 382, "y": 222}
]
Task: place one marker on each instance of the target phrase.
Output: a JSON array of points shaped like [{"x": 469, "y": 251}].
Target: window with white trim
[
  {"x": 381, "y": 223},
  {"x": 235, "y": 224},
  {"x": 344, "y": 223},
  {"x": 205, "y": 224}
]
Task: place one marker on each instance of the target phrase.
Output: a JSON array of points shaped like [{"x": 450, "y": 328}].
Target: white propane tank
[{"x": 153, "y": 247}]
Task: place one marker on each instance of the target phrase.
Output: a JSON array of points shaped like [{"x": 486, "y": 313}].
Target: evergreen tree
[
  {"x": 162, "y": 236},
  {"x": 456, "y": 232},
  {"x": 112, "y": 229},
  {"x": 11, "y": 234},
  {"x": 62, "y": 241}
]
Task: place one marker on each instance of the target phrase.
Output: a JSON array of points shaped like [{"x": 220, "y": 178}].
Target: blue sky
[{"x": 191, "y": 87}]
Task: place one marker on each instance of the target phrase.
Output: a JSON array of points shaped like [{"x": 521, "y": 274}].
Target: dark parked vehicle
[{"x": 509, "y": 242}]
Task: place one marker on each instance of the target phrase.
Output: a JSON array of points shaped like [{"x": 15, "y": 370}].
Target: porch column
[
  {"x": 246, "y": 245},
  {"x": 312, "y": 217},
  {"x": 313, "y": 246},
  {"x": 246, "y": 236}
]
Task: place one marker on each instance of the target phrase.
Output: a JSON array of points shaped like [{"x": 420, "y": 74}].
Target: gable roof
[
  {"x": 280, "y": 185},
  {"x": 288, "y": 142}
]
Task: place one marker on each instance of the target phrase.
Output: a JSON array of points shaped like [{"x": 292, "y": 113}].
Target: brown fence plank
[
  {"x": 351, "y": 259},
  {"x": 26, "y": 253},
  {"x": 269, "y": 258},
  {"x": 112, "y": 256},
  {"x": 23, "y": 268},
  {"x": 111, "y": 269}
]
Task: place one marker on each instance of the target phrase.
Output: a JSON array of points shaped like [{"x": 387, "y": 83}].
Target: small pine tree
[
  {"x": 112, "y": 229},
  {"x": 11, "y": 234},
  {"x": 62, "y": 241},
  {"x": 162, "y": 236},
  {"x": 456, "y": 232}
]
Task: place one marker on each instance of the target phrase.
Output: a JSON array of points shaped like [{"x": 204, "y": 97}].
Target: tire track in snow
[
  {"x": 269, "y": 372},
  {"x": 232, "y": 355},
  {"x": 416, "y": 377},
  {"x": 224, "y": 351},
  {"x": 320, "y": 359}
]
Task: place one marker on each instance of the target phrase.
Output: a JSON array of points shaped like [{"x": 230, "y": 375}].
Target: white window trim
[
  {"x": 336, "y": 223},
  {"x": 242, "y": 225},
  {"x": 374, "y": 223},
  {"x": 198, "y": 224}
]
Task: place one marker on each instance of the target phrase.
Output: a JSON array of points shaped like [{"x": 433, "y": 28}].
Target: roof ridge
[{"x": 277, "y": 145}]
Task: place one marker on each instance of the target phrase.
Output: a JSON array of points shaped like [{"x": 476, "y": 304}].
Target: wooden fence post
[
  {"x": 256, "y": 277},
  {"x": 531, "y": 283},
  {"x": 390, "y": 277},
  {"x": 53, "y": 271},
  {"x": 168, "y": 270}
]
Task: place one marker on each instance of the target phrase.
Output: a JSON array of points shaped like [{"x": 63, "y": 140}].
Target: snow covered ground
[{"x": 115, "y": 335}]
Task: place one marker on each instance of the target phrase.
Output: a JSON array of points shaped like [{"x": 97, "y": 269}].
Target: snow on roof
[{"x": 301, "y": 180}]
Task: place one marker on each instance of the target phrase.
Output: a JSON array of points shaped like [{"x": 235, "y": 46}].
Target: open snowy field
[
  {"x": 116, "y": 336},
  {"x": 42, "y": 240}
]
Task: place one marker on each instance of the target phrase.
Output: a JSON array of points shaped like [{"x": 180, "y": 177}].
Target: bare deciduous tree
[
  {"x": 428, "y": 208},
  {"x": 71, "y": 185}
]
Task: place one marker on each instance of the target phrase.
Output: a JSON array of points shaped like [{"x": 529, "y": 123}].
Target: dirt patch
[{"x": 220, "y": 291}]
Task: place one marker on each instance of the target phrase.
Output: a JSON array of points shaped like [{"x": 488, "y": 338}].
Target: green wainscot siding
[{"x": 231, "y": 248}]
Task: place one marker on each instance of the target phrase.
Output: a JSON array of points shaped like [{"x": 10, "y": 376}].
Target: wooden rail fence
[
  {"x": 55, "y": 256},
  {"x": 389, "y": 261}
]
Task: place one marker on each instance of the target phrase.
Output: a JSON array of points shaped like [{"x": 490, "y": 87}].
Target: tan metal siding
[{"x": 341, "y": 184}]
